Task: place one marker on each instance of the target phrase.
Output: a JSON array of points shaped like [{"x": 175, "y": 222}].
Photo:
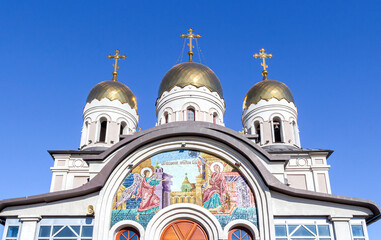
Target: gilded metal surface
[
  {"x": 190, "y": 35},
  {"x": 190, "y": 73},
  {"x": 113, "y": 90},
  {"x": 266, "y": 90},
  {"x": 116, "y": 57},
  {"x": 263, "y": 55}
]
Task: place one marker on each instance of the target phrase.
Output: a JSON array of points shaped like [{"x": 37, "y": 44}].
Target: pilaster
[
  {"x": 29, "y": 227},
  {"x": 341, "y": 226}
]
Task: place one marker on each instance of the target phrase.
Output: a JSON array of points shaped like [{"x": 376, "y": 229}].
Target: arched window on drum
[
  {"x": 123, "y": 128},
  {"x": 191, "y": 116},
  {"x": 240, "y": 233},
  {"x": 102, "y": 129},
  {"x": 127, "y": 234}
]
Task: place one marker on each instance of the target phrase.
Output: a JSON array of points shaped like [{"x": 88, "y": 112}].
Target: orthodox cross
[
  {"x": 190, "y": 35},
  {"x": 263, "y": 55},
  {"x": 116, "y": 57}
]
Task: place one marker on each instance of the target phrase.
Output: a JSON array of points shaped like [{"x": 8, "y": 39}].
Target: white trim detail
[
  {"x": 242, "y": 223},
  {"x": 125, "y": 224},
  {"x": 184, "y": 211}
]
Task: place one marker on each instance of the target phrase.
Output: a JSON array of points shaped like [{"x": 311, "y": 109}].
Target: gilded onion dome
[
  {"x": 190, "y": 73},
  {"x": 266, "y": 90},
  {"x": 113, "y": 90}
]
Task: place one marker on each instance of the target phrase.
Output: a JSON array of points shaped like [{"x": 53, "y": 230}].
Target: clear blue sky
[{"x": 327, "y": 52}]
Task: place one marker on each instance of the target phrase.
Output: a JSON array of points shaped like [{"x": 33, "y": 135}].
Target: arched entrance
[{"x": 184, "y": 230}]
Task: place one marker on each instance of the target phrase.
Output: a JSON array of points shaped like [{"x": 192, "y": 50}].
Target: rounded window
[
  {"x": 127, "y": 234},
  {"x": 240, "y": 233}
]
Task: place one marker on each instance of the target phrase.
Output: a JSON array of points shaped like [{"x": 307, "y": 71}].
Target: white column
[
  {"x": 341, "y": 227},
  {"x": 29, "y": 227}
]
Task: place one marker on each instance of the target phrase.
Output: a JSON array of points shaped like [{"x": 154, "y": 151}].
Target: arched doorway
[
  {"x": 184, "y": 230},
  {"x": 127, "y": 234}
]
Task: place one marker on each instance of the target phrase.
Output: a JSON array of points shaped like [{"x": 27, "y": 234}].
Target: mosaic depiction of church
[{"x": 184, "y": 176}]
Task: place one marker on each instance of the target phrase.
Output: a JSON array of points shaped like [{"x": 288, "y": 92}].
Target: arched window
[
  {"x": 215, "y": 118},
  {"x": 123, "y": 128},
  {"x": 103, "y": 130},
  {"x": 166, "y": 117},
  {"x": 191, "y": 116},
  {"x": 277, "y": 127},
  {"x": 257, "y": 127},
  {"x": 127, "y": 234},
  {"x": 240, "y": 233}
]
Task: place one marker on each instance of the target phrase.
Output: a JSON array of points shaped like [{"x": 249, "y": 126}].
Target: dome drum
[
  {"x": 190, "y": 91},
  {"x": 110, "y": 111}
]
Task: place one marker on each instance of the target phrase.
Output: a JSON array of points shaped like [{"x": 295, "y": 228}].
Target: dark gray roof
[{"x": 287, "y": 149}]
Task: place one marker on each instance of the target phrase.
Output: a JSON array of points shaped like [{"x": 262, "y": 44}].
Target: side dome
[
  {"x": 266, "y": 90},
  {"x": 113, "y": 90},
  {"x": 190, "y": 73}
]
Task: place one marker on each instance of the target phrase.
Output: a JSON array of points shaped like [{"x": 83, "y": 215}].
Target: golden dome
[
  {"x": 190, "y": 73},
  {"x": 113, "y": 90},
  {"x": 266, "y": 90}
]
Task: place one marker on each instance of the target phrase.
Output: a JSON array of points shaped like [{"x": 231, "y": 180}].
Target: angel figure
[
  {"x": 150, "y": 201},
  {"x": 129, "y": 192}
]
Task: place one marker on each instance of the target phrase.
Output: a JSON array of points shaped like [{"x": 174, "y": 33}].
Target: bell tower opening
[
  {"x": 166, "y": 117},
  {"x": 277, "y": 128},
  {"x": 257, "y": 127},
  {"x": 215, "y": 117},
  {"x": 103, "y": 130},
  {"x": 122, "y": 128}
]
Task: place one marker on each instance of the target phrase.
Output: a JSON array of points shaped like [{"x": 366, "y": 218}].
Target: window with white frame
[
  {"x": 303, "y": 229},
  {"x": 358, "y": 230},
  {"x": 12, "y": 229},
  {"x": 12, "y": 233},
  {"x": 65, "y": 229}
]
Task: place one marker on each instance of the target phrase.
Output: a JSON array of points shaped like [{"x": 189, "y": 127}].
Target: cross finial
[
  {"x": 116, "y": 57},
  {"x": 263, "y": 55},
  {"x": 190, "y": 35}
]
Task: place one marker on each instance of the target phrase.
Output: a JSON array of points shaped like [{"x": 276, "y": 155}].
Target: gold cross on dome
[
  {"x": 263, "y": 55},
  {"x": 190, "y": 35},
  {"x": 116, "y": 57}
]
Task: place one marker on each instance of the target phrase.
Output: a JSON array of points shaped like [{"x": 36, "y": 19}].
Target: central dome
[
  {"x": 266, "y": 90},
  {"x": 113, "y": 90},
  {"x": 190, "y": 73}
]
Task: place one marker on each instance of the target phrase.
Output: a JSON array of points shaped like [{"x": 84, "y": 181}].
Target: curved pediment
[{"x": 224, "y": 136}]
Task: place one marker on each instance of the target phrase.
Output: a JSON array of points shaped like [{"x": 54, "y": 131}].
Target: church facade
[{"x": 189, "y": 177}]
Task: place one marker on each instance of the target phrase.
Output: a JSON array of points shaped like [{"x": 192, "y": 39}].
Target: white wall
[{"x": 176, "y": 101}]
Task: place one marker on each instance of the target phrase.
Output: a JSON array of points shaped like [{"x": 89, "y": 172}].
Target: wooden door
[{"x": 184, "y": 230}]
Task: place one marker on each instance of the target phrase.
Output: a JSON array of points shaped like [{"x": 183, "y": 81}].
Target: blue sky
[{"x": 327, "y": 52}]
